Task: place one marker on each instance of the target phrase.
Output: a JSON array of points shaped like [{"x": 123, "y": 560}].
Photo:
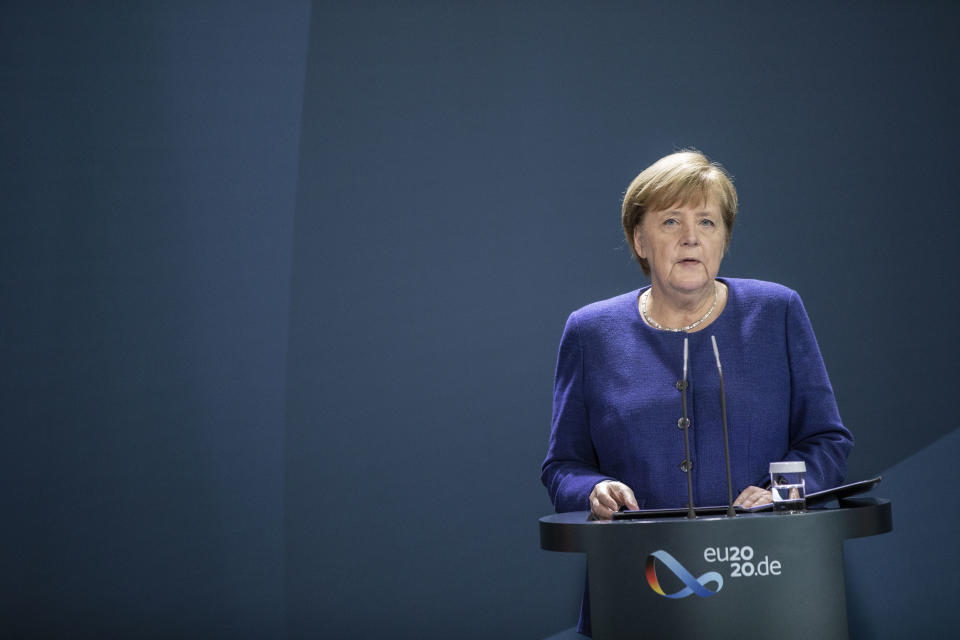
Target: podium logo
[{"x": 693, "y": 585}]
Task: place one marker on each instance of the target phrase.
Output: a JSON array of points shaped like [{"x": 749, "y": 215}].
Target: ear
[{"x": 638, "y": 242}]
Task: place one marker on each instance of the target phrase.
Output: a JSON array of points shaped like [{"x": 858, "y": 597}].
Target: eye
[
  {"x": 707, "y": 222},
  {"x": 670, "y": 222}
]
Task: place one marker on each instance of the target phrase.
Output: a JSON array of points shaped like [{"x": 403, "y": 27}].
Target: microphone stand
[
  {"x": 726, "y": 442},
  {"x": 684, "y": 424}
]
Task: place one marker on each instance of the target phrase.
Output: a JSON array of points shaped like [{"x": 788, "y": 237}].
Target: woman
[{"x": 614, "y": 440}]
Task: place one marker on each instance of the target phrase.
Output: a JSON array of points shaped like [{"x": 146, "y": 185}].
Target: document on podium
[{"x": 813, "y": 499}]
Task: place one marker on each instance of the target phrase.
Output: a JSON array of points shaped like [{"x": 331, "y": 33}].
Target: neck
[{"x": 680, "y": 308}]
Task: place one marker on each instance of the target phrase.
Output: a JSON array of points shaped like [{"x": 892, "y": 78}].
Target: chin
[{"x": 693, "y": 285}]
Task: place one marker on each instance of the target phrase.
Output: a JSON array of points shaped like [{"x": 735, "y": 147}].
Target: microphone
[
  {"x": 726, "y": 442},
  {"x": 684, "y": 424}
]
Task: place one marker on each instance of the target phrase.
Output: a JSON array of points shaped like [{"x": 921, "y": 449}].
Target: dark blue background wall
[
  {"x": 283, "y": 287},
  {"x": 148, "y": 167}
]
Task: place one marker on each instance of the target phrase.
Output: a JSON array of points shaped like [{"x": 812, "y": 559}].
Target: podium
[{"x": 759, "y": 575}]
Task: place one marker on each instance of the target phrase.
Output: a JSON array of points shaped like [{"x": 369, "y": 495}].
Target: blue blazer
[{"x": 616, "y": 405}]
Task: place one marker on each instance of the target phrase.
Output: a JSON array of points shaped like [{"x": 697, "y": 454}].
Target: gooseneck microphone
[
  {"x": 684, "y": 424},
  {"x": 726, "y": 442}
]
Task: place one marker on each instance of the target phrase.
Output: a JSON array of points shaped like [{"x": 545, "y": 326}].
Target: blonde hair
[{"x": 684, "y": 178}]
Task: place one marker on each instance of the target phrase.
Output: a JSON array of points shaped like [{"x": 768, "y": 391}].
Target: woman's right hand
[{"x": 608, "y": 496}]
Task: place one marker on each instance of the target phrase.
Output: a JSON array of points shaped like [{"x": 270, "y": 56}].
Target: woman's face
[{"x": 683, "y": 245}]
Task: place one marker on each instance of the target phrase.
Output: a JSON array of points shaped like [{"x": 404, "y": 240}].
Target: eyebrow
[{"x": 700, "y": 214}]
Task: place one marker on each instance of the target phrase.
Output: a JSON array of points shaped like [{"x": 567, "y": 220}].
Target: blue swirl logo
[{"x": 694, "y": 585}]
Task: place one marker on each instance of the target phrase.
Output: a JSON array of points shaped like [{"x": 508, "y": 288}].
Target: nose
[{"x": 689, "y": 236}]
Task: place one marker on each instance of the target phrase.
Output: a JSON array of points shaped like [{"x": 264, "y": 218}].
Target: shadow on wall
[{"x": 898, "y": 584}]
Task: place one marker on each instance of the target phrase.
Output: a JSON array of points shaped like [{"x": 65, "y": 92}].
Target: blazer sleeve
[
  {"x": 817, "y": 436},
  {"x": 570, "y": 470}
]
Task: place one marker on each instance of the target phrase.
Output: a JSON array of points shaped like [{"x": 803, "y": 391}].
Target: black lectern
[{"x": 759, "y": 575}]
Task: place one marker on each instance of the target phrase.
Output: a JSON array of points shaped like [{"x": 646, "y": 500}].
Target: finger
[
  {"x": 626, "y": 497},
  {"x": 606, "y": 499},
  {"x": 748, "y": 496},
  {"x": 759, "y": 497},
  {"x": 600, "y": 501},
  {"x": 599, "y": 511},
  {"x": 765, "y": 497},
  {"x": 740, "y": 498}
]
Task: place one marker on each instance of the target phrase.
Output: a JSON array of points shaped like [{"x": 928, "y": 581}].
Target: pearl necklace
[{"x": 657, "y": 325}]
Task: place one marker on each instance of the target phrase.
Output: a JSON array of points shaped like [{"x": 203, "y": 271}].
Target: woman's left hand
[{"x": 752, "y": 497}]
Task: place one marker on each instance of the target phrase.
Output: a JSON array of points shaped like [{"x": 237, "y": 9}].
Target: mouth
[{"x": 689, "y": 261}]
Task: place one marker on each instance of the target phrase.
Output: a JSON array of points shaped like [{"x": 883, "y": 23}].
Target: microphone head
[
  {"x": 686, "y": 346},
  {"x": 716, "y": 352}
]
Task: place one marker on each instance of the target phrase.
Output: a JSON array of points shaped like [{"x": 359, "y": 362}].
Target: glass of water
[{"x": 788, "y": 486}]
